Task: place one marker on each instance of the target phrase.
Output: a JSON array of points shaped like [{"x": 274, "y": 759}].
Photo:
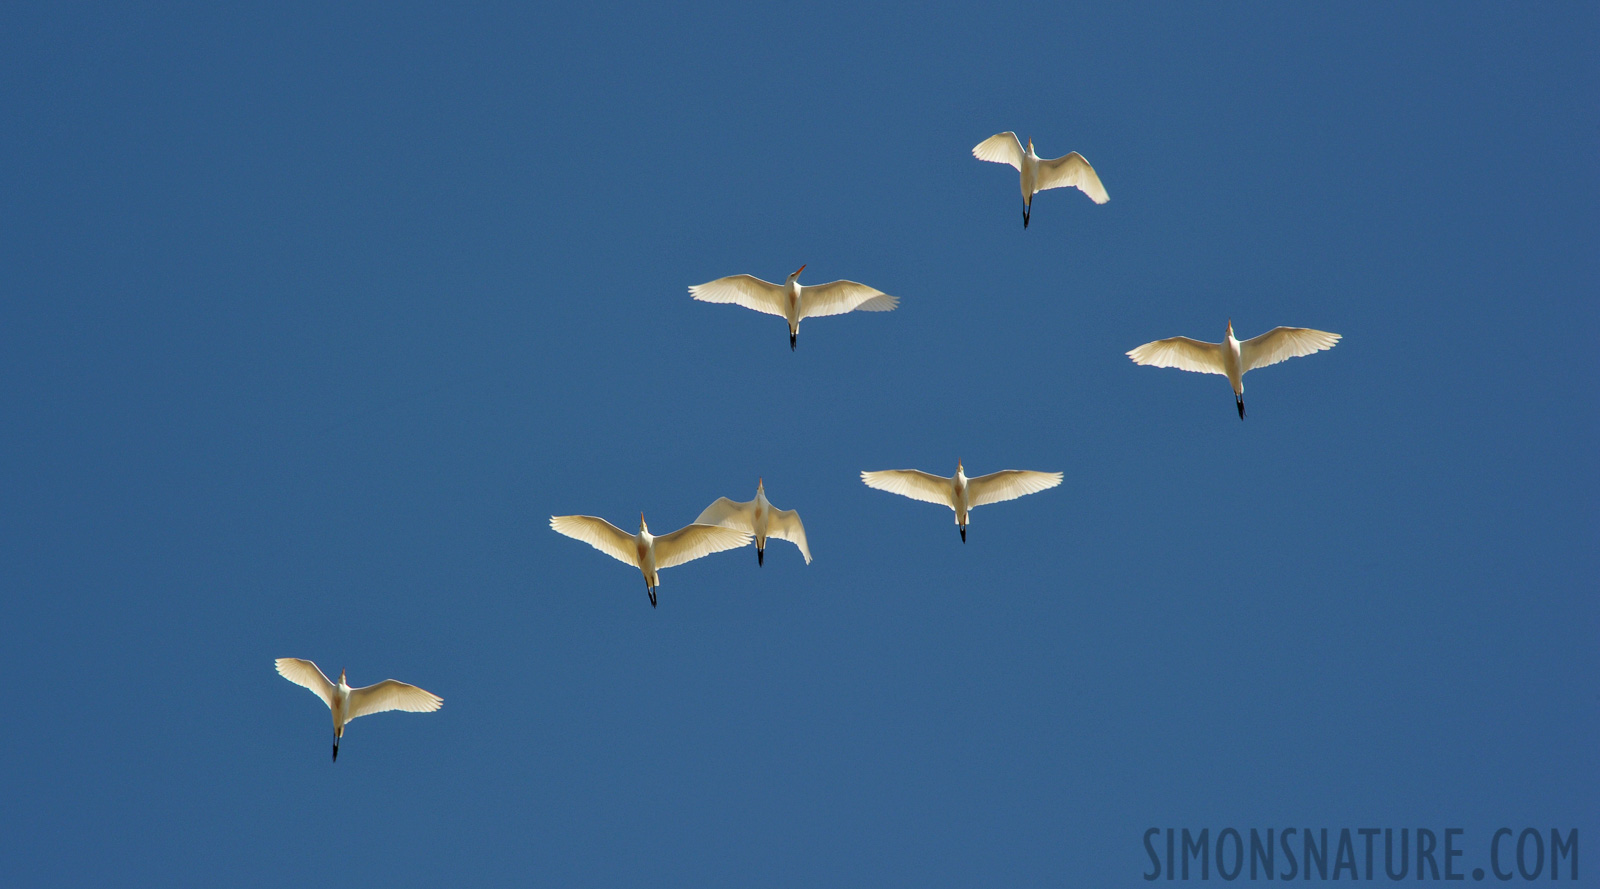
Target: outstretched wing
[
  {"x": 693, "y": 541},
  {"x": 600, "y": 534},
  {"x": 1283, "y": 343},
  {"x": 743, "y": 290},
  {"x": 1182, "y": 353},
  {"x": 391, "y": 694},
  {"x": 913, "y": 483},
  {"x": 305, "y": 673},
  {"x": 1001, "y": 148},
  {"x": 1008, "y": 484},
  {"x": 1071, "y": 170},
  {"x": 838, "y": 297},
  {"x": 729, "y": 514},
  {"x": 785, "y": 525}
]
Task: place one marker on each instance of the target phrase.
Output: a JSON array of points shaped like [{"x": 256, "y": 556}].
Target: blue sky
[{"x": 311, "y": 318}]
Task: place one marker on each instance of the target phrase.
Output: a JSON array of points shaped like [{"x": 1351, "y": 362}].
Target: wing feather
[
  {"x": 600, "y": 534},
  {"x": 391, "y": 694},
  {"x": 913, "y": 483},
  {"x": 729, "y": 514},
  {"x": 785, "y": 525},
  {"x": 1001, "y": 148},
  {"x": 1008, "y": 484},
  {"x": 693, "y": 541},
  {"x": 304, "y": 673},
  {"x": 743, "y": 290},
  {"x": 1071, "y": 170},
  {"x": 1182, "y": 353},
  {"x": 839, "y": 297},
  {"x": 1283, "y": 343}
]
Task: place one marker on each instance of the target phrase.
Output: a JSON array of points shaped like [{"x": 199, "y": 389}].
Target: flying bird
[
  {"x": 1040, "y": 173},
  {"x": 648, "y": 553},
  {"x": 347, "y": 703},
  {"x": 1232, "y": 358},
  {"x": 760, "y": 518},
  {"x": 793, "y": 301},
  {"x": 961, "y": 494}
]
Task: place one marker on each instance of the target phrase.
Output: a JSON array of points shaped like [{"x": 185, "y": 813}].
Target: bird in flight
[
  {"x": 793, "y": 301},
  {"x": 1039, "y": 173},
  {"x": 648, "y": 553},
  {"x": 960, "y": 493},
  {"x": 760, "y": 518},
  {"x": 347, "y": 703},
  {"x": 1231, "y": 357}
]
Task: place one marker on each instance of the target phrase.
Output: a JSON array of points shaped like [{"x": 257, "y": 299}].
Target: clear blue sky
[{"x": 310, "y": 319}]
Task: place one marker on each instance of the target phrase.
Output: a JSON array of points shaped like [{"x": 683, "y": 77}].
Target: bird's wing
[
  {"x": 1182, "y": 353},
  {"x": 1001, "y": 148},
  {"x": 838, "y": 297},
  {"x": 1283, "y": 343},
  {"x": 391, "y": 694},
  {"x": 729, "y": 514},
  {"x": 304, "y": 672},
  {"x": 693, "y": 541},
  {"x": 913, "y": 483},
  {"x": 743, "y": 290},
  {"x": 1008, "y": 484},
  {"x": 1073, "y": 170},
  {"x": 600, "y": 534},
  {"x": 785, "y": 525}
]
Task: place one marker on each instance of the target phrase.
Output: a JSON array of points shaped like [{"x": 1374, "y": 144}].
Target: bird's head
[
  {"x": 1030, "y": 144},
  {"x": 959, "y": 467},
  {"x": 642, "y": 526},
  {"x": 797, "y": 272},
  {"x": 342, "y": 679},
  {"x": 760, "y": 483},
  {"x": 1230, "y": 327}
]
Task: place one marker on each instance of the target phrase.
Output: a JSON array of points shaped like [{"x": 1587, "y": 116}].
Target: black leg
[
  {"x": 1025, "y": 209},
  {"x": 1240, "y": 399},
  {"x": 792, "y": 338},
  {"x": 761, "y": 556},
  {"x": 963, "y": 533}
]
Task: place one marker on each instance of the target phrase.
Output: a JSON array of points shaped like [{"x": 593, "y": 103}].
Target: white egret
[
  {"x": 960, "y": 493},
  {"x": 1232, "y": 358},
  {"x": 761, "y": 519},
  {"x": 793, "y": 301},
  {"x": 1040, "y": 173},
  {"x": 648, "y": 553},
  {"x": 347, "y": 703}
]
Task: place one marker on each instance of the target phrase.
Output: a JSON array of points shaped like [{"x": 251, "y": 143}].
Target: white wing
[
  {"x": 693, "y": 541},
  {"x": 729, "y": 514},
  {"x": 744, "y": 290},
  {"x": 913, "y": 483},
  {"x": 1008, "y": 484},
  {"x": 600, "y": 534},
  {"x": 1001, "y": 148},
  {"x": 785, "y": 525},
  {"x": 838, "y": 297},
  {"x": 1182, "y": 353},
  {"x": 391, "y": 694},
  {"x": 1283, "y": 343},
  {"x": 304, "y": 672},
  {"x": 1071, "y": 170}
]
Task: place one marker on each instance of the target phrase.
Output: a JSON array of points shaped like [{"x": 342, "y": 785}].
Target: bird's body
[
  {"x": 1037, "y": 173},
  {"x": 645, "y": 551},
  {"x": 793, "y": 301},
  {"x": 960, "y": 493},
  {"x": 347, "y": 703},
  {"x": 1233, "y": 358},
  {"x": 761, "y": 519}
]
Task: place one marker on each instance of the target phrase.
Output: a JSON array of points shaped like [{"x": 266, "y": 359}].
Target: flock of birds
[{"x": 729, "y": 524}]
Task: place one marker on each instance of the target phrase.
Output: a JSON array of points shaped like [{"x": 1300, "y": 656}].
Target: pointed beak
[{"x": 799, "y": 270}]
